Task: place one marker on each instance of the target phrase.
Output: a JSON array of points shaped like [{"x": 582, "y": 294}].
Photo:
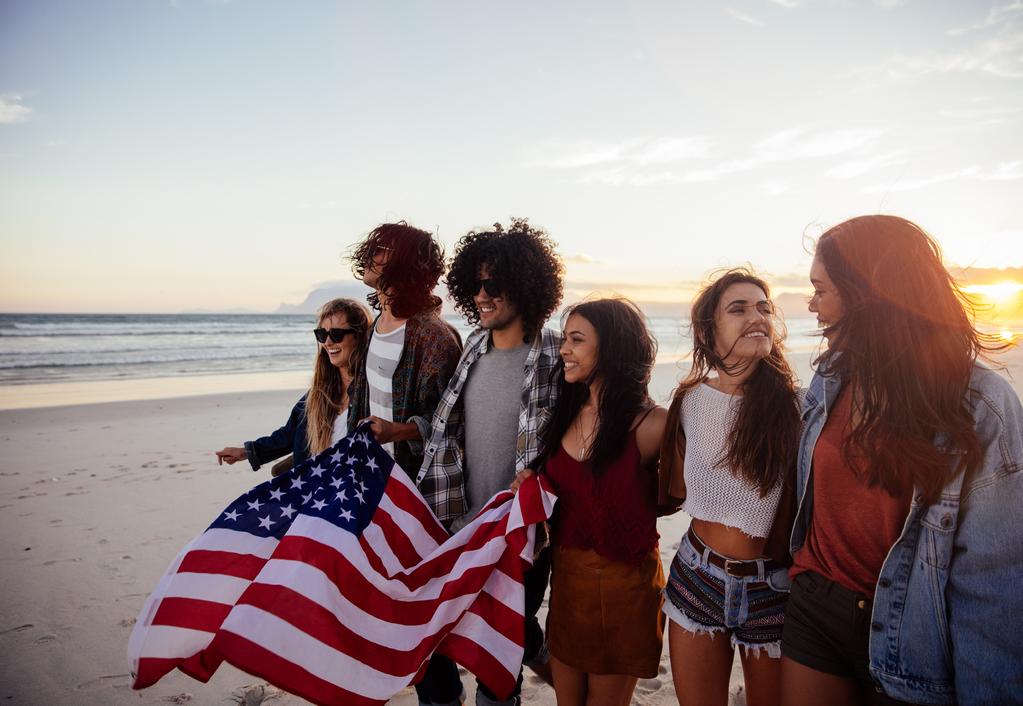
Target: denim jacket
[
  {"x": 290, "y": 438},
  {"x": 948, "y": 611}
]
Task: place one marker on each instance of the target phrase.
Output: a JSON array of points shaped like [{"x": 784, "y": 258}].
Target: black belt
[{"x": 733, "y": 567}]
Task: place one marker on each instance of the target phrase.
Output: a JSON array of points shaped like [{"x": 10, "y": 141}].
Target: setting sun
[{"x": 1000, "y": 293}]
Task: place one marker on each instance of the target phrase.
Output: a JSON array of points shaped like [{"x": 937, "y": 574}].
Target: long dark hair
[
  {"x": 625, "y": 356},
  {"x": 762, "y": 443},
  {"x": 906, "y": 344},
  {"x": 525, "y": 264},
  {"x": 411, "y": 273}
]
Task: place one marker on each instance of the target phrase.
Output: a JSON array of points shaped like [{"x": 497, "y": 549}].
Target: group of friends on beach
[{"x": 855, "y": 540}]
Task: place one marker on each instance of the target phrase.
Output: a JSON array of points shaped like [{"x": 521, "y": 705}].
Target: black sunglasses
[
  {"x": 336, "y": 334},
  {"x": 490, "y": 286}
]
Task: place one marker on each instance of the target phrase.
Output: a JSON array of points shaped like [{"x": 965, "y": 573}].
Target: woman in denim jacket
[{"x": 907, "y": 552}]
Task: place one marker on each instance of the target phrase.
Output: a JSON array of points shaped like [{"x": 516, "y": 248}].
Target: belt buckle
[{"x": 729, "y": 563}]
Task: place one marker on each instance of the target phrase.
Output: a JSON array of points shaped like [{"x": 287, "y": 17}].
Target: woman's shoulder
[{"x": 649, "y": 428}]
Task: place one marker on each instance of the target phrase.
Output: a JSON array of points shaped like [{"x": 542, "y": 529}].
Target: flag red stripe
[
  {"x": 191, "y": 613},
  {"x": 500, "y": 617},
  {"x": 400, "y": 544},
  {"x": 365, "y": 594},
  {"x": 261, "y": 662},
  {"x": 411, "y": 502},
  {"x": 205, "y": 561},
  {"x": 481, "y": 663},
  {"x": 319, "y": 623}
]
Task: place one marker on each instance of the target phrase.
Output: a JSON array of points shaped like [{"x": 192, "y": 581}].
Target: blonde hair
[{"x": 327, "y": 395}]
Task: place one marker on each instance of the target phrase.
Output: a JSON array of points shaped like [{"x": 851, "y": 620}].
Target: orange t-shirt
[{"x": 854, "y": 525}]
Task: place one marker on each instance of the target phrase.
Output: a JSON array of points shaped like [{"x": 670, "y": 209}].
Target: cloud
[
  {"x": 1007, "y": 171},
  {"x": 787, "y": 4},
  {"x": 12, "y": 110},
  {"x": 642, "y": 152},
  {"x": 743, "y": 17},
  {"x": 793, "y": 144},
  {"x": 775, "y": 188},
  {"x": 998, "y": 56},
  {"x": 996, "y": 15},
  {"x": 859, "y": 167},
  {"x": 582, "y": 259}
]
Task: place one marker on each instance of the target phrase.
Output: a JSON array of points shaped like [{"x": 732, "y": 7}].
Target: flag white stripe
[
  {"x": 169, "y": 642},
  {"x": 475, "y": 628},
  {"x": 410, "y": 526},
  {"x": 238, "y": 542},
  {"x": 216, "y": 588},
  {"x": 310, "y": 582},
  {"x": 323, "y": 661},
  {"x": 347, "y": 545}
]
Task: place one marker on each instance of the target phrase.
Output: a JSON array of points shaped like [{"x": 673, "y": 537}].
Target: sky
[{"x": 170, "y": 155}]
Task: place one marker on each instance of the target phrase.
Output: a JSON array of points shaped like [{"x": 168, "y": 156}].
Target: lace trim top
[
  {"x": 614, "y": 514},
  {"x": 713, "y": 492}
]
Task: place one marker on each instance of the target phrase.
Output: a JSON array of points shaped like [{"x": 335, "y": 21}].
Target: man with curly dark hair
[
  {"x": 402, "y": 370},
  {"x": 490, "y": 422}
]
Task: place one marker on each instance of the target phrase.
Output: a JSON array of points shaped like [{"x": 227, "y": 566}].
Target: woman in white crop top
[{"x": 729, "y": 455}]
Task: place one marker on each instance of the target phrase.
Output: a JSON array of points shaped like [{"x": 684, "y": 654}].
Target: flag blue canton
[{"x": 342, "y": 485}]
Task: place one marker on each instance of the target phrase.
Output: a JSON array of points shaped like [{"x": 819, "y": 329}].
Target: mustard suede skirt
[{"x": 605, "y": 616}]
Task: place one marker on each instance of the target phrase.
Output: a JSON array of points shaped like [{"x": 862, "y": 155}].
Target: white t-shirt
[{"x": 382, "y": 360}]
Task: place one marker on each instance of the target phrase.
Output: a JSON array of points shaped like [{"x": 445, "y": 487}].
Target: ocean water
[{"x": 41, "y": 348}]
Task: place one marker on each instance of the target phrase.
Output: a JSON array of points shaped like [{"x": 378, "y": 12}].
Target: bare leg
[
  {"x": 569, "y": 684},
  {"x": 609, "y": 689},
  {"x": 700, "y": 666},
  {"x": 803, "y": 686},
  {"x": 762, "y": 675}
]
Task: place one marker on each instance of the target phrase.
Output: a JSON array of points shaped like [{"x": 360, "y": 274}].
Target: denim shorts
[{"x": 702, "y": 598}]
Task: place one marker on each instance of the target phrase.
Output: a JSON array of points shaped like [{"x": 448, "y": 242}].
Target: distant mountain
[
  {"x": 235, "y": 310},
  {"x": 324, "y": 293}
]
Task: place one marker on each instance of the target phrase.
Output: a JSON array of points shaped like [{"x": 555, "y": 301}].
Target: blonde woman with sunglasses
[{"x": 320, "y": 418}]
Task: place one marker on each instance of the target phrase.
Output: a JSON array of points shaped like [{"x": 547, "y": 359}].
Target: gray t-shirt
[{"x": 492, "y": 399}]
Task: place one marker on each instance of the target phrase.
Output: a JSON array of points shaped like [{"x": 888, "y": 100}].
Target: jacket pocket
[{"x": 937, "y": 532}]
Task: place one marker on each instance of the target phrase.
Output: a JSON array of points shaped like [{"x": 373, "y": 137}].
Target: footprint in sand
[
  {"x": 127, "y": 622},
  {"x": 45, "y": 638},
  {"x": 183, "y": 698},
  {"x": 20, "y": 628},
  {"x": 255, "y": 695},
  {"x": 649, "y": 686}
]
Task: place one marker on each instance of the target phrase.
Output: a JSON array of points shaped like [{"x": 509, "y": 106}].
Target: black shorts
[{"x": 827, "y": 628}]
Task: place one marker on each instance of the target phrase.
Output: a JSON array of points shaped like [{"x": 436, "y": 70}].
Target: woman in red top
[{"x": 604, "y": 627}]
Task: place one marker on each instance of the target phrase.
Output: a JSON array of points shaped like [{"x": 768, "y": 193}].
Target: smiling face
[
  {"x": 825, "y": 302},
  {"x": 743, "y": 324},
  {"x": 496, "y": 312},
  {"x": 338, "y": 353},
  {"x": 579, "y": 349}
]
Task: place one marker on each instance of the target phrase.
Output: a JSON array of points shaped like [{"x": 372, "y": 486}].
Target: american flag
[{"x": 336, "y": 582}]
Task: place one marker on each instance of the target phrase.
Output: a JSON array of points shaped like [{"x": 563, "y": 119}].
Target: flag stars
[
  {"x": 346, "y": 515},
  {"x": 319, "y": 505},
  {"x": 287, "y": 511},
  {"x": 276, "y": 494},
  {"x": 297, "y": 483},
  {"x": 255, "y": 505},
  {"x": 232, "y": 515},
  {"x": 372, "y": 465},
  {"x": 336, "y": 457},
  {"x": 265, "y": 522},
  {"x": 317, "y": 471},
  {"x": 337, "y": 482}
]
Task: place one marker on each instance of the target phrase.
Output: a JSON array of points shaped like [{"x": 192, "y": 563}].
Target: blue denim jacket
[
  {"x": 290, "y": 438},
  {"x": 947, "y": 623}
]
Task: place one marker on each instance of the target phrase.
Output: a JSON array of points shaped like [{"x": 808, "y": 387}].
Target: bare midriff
[{"x": 729, "y": 542}]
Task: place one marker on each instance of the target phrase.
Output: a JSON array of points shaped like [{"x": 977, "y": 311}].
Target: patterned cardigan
[{"x": 428, "y": 359}]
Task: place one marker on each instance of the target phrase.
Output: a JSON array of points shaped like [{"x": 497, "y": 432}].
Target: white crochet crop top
[{"x": 713, "y": 492}]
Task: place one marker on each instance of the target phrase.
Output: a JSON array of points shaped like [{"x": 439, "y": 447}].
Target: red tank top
[
  {"x": 614, "y": 514},
  {"x": 854, "y": 525}
]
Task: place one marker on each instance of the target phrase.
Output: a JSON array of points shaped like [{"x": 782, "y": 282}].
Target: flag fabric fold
[{"x": 336, "y": 582}]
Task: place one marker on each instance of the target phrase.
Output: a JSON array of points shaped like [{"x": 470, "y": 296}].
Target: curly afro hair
[{"x": 525, "y": 264}]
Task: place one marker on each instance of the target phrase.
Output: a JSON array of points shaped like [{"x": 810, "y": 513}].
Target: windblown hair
[
  {"x": 328, "y": 395},
  {"x": 625, "y": 357},
  {"x": 525, "y": 264},
  {"x": 411, "y": 273},
  {"x": 763, "y": 442},
  {"x": 906, "y": 344}
]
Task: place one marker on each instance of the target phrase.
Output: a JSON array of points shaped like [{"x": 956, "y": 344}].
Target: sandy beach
[{"x": 97, "y": 499}]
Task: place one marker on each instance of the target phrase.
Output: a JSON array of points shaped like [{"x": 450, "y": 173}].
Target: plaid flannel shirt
[{"x": 442, "y": 475}]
